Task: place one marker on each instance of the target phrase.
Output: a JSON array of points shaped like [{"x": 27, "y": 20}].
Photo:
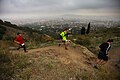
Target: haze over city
[{"x": 24, "y": 9}]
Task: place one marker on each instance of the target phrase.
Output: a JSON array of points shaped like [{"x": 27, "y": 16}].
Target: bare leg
[
  {"x": 104, "y": 62},
  {"x": 65, "y": 43},
  {"x": 99, "y": 61}
]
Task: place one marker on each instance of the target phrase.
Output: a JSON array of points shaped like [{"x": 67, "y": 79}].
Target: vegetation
[
  {"x": 33, "y": 38},
  {"x": 94, "y": 39},
  {"x": 88, "y": 29},
  {"x": 2, "y": 31},
  {"x": 83, "y": 31},
  {"x": 46, "y": 65},
  {"x": 51, "y": 64}
]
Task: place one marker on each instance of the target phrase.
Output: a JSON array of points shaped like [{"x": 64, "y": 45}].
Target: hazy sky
[{"x": 45, "y": 8}]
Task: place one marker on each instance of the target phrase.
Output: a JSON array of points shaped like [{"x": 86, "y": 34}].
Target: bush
[
  {"x": 1, "y": 36},
  {"x": 2, "y": 31},
  {"x": 8, "y": 23},
  {"x": 9, "y": 38},
  {"x": 83, "y": 41},
  {"x": 88, "y": 29},
  {"x": 2, "y": 27},
  {"x": 83, "y": 30},
  {"x": 1, "y": 22}
]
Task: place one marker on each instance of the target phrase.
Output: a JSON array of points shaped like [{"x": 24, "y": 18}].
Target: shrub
[
  {"x": 1, "y": 36},
  {"x": 2, "y": 27},
  {"x": 83, "y": 30},
  {"x": 1, "y": 22},
  {"x": 2, "y": 31},
  {"x": 88, "y": 29},
  {"x": 83, "y": 41}
]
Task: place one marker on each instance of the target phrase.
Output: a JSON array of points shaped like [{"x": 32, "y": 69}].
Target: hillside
[
  {"x": 33, "y": 38},
  {"x": 53, "y": 62}
]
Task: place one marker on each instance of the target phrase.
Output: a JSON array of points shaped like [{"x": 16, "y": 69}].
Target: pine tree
[
  {"x": 83, "y": 30},
  {"x": 88, "y": 29}
]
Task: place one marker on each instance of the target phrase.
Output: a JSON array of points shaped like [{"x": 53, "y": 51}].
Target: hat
[
  {"x": 18, "y": 33},
  {"x": 110, "y": 40}
]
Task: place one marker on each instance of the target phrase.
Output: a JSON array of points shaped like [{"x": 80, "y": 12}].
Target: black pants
[{"x": 20, "y": 46}]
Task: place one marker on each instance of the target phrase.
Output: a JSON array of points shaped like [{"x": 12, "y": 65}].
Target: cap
[
  {"x": 110, "y": 40},
  {"x": 18, "y": 33}
]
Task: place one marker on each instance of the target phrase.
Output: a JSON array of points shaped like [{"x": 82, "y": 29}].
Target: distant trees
[
  {"x": 2, "y": 31},
  {"x": 1, "y": 22},
  {"x": 88, "y": 29},
  {"x": 82, "y": 30},
  {"x": 8, "y": 23}
]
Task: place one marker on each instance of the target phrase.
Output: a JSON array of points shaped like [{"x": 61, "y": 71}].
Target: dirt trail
[
  {"x": 79, "y": 55},
  {"x": 66, "y": 56},
  {"x": 78, "y": 60}
]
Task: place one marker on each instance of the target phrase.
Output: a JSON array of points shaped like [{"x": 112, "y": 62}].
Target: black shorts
[
  {"x": 60, "y": 37},
  {"x": 102, "y": 56}
]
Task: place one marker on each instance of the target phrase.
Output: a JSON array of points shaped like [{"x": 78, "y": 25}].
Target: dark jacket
[{"x": 105, "y": 47}]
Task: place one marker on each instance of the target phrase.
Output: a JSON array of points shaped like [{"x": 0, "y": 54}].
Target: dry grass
[
  {"x": 51, "y": 63},
  {"x": 55, "y": 63}
]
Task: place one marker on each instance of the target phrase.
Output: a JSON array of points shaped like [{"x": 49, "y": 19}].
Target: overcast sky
[{"x": 45, "y": 8}]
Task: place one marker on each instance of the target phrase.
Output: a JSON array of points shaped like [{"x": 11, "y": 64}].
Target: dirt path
[
  {"x": 72, "y": 53},
  {"x": 79, "y": 55}
]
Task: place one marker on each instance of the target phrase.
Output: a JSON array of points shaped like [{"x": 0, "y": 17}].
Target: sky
[{"x": 16, "y": 9}]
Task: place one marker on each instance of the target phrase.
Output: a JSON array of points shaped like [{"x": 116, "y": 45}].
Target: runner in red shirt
[{"x": 19, "y": 40}]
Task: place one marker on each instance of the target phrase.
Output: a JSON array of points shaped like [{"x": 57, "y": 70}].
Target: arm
[{"x": 16, "y": 42}]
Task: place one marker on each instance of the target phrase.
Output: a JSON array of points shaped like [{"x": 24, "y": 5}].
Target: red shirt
[{"x": 19, "y": 39}]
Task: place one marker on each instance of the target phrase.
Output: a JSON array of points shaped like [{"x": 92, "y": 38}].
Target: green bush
[
  {"x": 83, "y": 40},
  {"x": 88, "y": 29},
  {"x": 9, "y": 38},
  {"x": 2, "y": 31},
  {"x": 83, "y": 30},
  {"x": 2, "y": 27},
  {"x": 1, "y": 36}
]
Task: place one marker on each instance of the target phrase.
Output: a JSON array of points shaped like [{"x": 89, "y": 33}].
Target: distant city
[{"x": 53, "y": 25}]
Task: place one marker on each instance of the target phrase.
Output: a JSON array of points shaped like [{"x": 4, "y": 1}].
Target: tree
[
  {"x": 8, "y": 23},
  {"x": 2, "y": 32},
  {"x": 1, "y": 22},
  {"x": 83, "y": 30},
  {"x": 1, "y": 36},
  {"x": 88, "y": 29}
]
